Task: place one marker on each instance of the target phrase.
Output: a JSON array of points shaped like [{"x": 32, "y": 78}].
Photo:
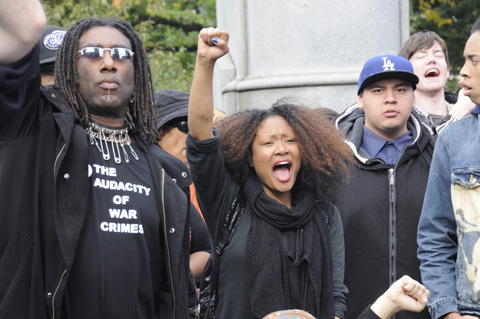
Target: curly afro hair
[{"x": 325, "y": 156}]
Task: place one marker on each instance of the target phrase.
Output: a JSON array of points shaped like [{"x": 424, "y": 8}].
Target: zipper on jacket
[
  {"x": 56, "y": 159},
  {"x": 65, "y": 271},
  {"x": 392, "y": 226},
  {"x": 55, "y": 293},
  {"x": 166, "y": 244}
]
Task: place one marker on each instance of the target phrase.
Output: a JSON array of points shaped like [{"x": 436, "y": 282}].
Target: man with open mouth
[
  {"x": 428, "y": 53},
  {"x": 449, "y": 228}
]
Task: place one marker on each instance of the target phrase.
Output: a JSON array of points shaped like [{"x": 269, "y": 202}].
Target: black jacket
[
  {"x": 44, "y": 199},
  {"x": 380, "y": 207},
  {"x": 216, "y": 191}
]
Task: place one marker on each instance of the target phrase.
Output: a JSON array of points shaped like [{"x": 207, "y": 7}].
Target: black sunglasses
[
  {"x": 97, "y": 53},
  {"x": 181, "y": 125}
]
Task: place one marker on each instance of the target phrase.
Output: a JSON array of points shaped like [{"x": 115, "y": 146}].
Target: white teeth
[
  {"x": 432, "y": 72},
  {"x": 283, "y": 163}
]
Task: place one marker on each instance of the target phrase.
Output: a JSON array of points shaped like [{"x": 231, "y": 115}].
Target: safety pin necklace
[{"x": 100, "y": 136}]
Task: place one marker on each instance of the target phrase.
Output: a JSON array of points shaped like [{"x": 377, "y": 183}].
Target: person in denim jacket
[{"x": 449, "y": 227}]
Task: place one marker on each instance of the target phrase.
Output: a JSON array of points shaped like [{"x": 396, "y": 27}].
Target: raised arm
[
  {"x": 21, "y": 23},
  {"x": 212, "y": 44},
  {"x": 404, "y": 294}
]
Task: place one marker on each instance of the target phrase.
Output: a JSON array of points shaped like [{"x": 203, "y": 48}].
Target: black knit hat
[
  {"x": 50, "y": 41},
  {"x": 171, "y": 104}
]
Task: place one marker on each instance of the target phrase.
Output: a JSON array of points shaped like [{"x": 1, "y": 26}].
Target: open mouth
[
  {"x": 283, "y": 171},
  {"x": 432, "y": 73},
  {"x": 466, "y": 90}
]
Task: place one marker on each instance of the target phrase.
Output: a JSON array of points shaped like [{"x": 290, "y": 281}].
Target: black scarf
[{"x": 267, "y": 261}]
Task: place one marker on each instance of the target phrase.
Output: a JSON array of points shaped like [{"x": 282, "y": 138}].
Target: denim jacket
[{"x": 449, "y": 227}]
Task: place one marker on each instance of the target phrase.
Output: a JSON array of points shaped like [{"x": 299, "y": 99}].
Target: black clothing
[
  {"x": 118, "y": 267},
  {"x": 200, "y": 237},
  {"x": 380, "y": 205},
  {"x": 45, "y": 200},
  {"x": 451, "y": 98},
  {"x": 434, "y": 123},
  {"x": 368, "y": 314},
  {"x": 216, "y": 191},
  {"x": 307, "y": 247}
]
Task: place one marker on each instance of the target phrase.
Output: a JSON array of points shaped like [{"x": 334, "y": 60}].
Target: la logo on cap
[{"x": 388, "y": 65}]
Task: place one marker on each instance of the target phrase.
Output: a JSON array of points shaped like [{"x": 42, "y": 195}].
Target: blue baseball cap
[{"x": 386, "y": 67}]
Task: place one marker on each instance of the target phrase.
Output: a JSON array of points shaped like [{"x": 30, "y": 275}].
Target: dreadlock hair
[
  {"x": 142, "y": 110},
  {"x": 325, "y": 155}
]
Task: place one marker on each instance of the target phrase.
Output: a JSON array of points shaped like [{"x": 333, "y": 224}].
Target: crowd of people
[{"x": 122, "y": 202}]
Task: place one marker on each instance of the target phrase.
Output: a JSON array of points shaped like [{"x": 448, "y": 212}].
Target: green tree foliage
[
  {"x": 452, "y": 20},
  {"x": 169, "y": 30}
]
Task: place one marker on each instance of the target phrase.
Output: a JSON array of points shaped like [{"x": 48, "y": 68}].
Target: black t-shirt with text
[{"x": 118, "y": 271}]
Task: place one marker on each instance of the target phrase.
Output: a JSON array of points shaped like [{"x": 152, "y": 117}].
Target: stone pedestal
[{"x": 312, "y": 49}]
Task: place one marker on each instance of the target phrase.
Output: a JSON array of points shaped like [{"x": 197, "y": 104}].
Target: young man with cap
[
  {"x": 449, "y": 227},
  {"x": 49, "y": 42},
  {"x": 381, "y": 202},
  {"x": 428, "y": 53}
]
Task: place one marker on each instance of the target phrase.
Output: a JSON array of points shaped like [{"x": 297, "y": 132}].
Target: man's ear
[
  {"x": 360, "y": 101},
  {"x": 161, "y": 131}
]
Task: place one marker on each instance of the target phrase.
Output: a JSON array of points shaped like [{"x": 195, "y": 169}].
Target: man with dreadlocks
[{"x": 90, "y": 226}]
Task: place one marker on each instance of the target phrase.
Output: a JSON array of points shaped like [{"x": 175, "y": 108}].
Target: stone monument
[{"x": 311, "y": 49}]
